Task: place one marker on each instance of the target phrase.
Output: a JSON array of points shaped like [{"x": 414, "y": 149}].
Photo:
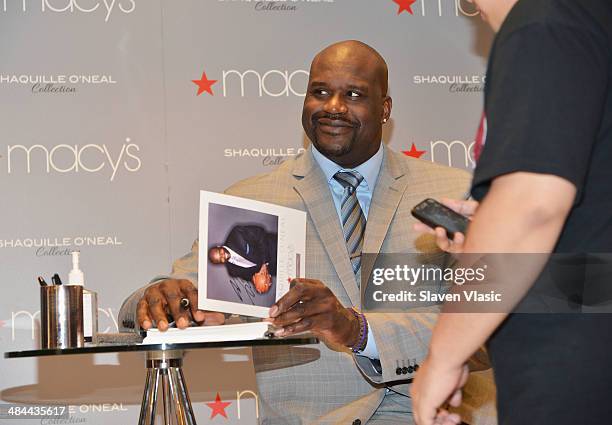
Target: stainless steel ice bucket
[{"x": 61, "y": 316}]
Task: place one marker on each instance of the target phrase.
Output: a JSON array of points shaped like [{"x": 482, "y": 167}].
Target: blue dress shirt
[{"x": 369, "y": 170}]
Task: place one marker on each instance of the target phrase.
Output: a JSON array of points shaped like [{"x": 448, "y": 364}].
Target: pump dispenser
[
  {"x": 76, "y": 276},
  {"x": 90, "y": 299}
]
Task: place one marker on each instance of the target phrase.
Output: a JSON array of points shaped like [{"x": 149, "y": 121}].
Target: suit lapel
[
  {"x": 314, "y": 190},
  {"x": 390, "y": 187}
]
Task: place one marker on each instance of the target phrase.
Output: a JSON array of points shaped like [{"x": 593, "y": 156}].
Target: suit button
[
  {"x": 398, "y": 371},
  {"x": 416, "y": 367},
  {"x": 404, "y": 370},
  {"x": 357, "y": 422},
  {"x": 410, "y": 369}
]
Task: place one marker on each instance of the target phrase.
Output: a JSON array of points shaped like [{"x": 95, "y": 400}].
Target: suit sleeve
[
  {"x": 245, "y": 273},
  {"x": 402, "y": 340}
]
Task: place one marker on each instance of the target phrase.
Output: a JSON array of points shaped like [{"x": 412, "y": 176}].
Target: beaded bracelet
[{"x": 363, "y": 331}]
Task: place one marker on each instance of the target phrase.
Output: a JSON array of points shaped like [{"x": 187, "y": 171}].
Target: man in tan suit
[{"x": 346, "y": 179}]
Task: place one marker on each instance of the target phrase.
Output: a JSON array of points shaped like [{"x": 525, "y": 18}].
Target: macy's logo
[
  {"x": 454, "y": 154},
  {"x": 64, "y": 158},
  {"x": 273, "y": 83},
  {"x": 464, "y": 153},
  {"x": 218, "y": 406},
  {"x": 72, "y": 6},
  {"x": 419, "y": 7}
]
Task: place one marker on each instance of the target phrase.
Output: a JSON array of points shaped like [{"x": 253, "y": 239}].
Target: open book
[{"x": 235, "y": 332}]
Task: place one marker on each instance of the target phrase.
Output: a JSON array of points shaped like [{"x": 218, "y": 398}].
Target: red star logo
[
  {"x": 414, "y": 152},
  {"x": 204, "y": 84},
  {"x": 218, "y": 407},
  {"x": 405, "y": 5}
]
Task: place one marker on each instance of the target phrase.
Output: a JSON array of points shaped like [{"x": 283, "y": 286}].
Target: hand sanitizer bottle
[{"x": 90, "y": 300}]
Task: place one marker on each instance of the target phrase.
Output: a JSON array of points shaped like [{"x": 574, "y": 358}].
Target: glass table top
[{"x": 90, "y": 348}]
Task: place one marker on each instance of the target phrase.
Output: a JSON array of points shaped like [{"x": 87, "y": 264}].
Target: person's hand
[
  {"x": 312, "y": 306},
  {"x": 262, "y": 280},
  {"x": 465, "y": 207},
  {"x": 436, "y": 384},
  {"x": 163, "y": 299}
]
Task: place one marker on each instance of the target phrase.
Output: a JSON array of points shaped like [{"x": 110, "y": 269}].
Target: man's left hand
[
  {"x": 435, "y": 385},
  {"x": 464, "y": 207},
  {"x": 312, "y": 306}
]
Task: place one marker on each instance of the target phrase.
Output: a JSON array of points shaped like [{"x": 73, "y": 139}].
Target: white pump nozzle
[{"x": 75, "y": 277}]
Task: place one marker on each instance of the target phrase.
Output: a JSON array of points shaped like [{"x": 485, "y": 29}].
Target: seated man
[
  {"x": 347, "y": 178},
  {"x": 249, "y": 252}
]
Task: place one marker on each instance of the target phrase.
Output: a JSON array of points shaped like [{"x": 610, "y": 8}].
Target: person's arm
[
  {"x": 149, "y": 305},
  {"x": 522, "y": 213}
]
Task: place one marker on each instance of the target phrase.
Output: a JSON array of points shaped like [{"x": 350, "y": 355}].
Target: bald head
[
  {"x": 218, "y": 255},
  {"x": 346, "y": 103},
  {"x": 356, "y": 51}
]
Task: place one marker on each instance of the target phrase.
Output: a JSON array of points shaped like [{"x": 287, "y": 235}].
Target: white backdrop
[{"x": 105, "y": 144}]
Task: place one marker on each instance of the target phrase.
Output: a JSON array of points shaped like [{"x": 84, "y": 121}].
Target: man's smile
[{"x": 334, "y": 127}]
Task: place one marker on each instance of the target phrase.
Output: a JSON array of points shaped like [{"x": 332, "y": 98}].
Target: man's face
[
  {"x": 218, "y": 255},
  {"x": 345, "y": 106},
  {"x": 494, "y": 12}
]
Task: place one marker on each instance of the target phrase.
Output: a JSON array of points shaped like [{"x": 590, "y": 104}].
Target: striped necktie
[{"x": 353, "y": 219}]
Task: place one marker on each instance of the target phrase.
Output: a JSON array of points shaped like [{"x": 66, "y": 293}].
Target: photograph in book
[{"x": 248, "y": 252}]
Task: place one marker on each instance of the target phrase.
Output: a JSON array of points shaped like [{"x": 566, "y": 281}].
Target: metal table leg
[
  {"x": 149, "y": 398},
  {"x": 165, "y": 368}
]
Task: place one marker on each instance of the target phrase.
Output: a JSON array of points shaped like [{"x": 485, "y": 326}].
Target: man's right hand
[{"x": 163, "y": 299}]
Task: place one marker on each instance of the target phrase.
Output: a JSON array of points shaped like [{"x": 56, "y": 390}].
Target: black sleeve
[
  {"x": 241, "y": 272},
  {"x": 545, "y": 99}
]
